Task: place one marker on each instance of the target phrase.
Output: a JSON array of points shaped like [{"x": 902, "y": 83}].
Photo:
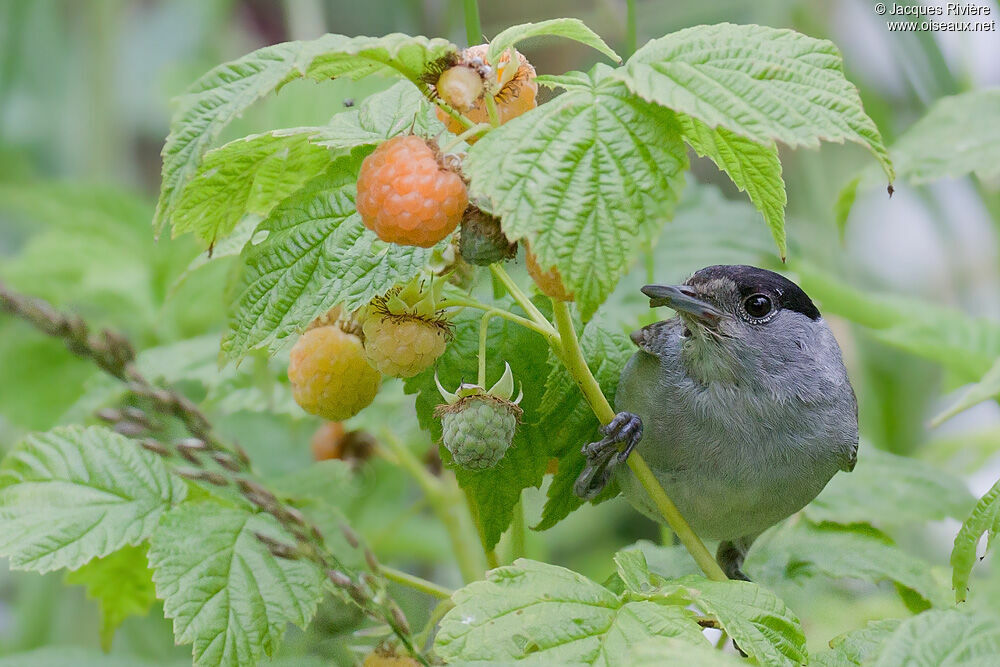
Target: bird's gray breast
[{"x": 734, "y": 458}]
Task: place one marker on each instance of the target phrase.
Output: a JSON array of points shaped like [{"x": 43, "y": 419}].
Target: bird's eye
[{"x": 757, "y": 305}]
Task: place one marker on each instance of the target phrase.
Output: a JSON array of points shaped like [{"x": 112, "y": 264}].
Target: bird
[{"x": 740, "y": 404}]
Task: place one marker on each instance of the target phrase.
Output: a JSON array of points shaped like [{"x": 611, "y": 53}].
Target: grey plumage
[{"x": 744, "y": 420}]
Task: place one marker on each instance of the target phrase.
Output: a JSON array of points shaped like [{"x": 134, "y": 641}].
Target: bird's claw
[{"x": 602, "y": 456}]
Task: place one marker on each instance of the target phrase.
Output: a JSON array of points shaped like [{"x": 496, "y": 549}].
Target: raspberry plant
[{"x": 345, "y": 238}]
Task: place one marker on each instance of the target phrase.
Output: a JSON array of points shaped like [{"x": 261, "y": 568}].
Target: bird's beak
[{"x": 684, "y": 300}]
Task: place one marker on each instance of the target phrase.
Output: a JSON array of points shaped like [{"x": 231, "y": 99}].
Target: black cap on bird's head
[{"x": 715, "y": 292}]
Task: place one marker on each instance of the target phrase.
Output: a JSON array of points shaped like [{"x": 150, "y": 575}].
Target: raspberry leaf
[
  {"x": 394, "y": 54},
  {"x": 224, "y": 92},
  {"x": 766, "y": 84},
  {"x": 985, "y": 518},
  {"x": 753, "y": 167},
  {"x": 555, "y": 616},
  {"x": 595, "y": 174},
  {"x": 227, "y": 594},
  {"x": 856, "y": 552},
  {"x": 757, "y": 620},
  {"x": 569, "y": 28},
  {"x": 316, "y": 254},
  {"x": 940, "y": 637},
  {"x": 567, "y": 420},
  {"x": 74, "y": 494},
  {"x": 249, "y": 175},
  {"x": 495, "y": 491},
  {"x": 123, "y": 585},
  {"x": 857, "y": 646},
  {"x": 379, "y": 117}
]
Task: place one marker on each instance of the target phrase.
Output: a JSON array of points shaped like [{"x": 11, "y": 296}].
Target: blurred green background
[{"x": 85, "y": 89}]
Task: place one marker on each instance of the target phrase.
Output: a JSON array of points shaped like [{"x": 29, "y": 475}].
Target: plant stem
[
  {"x": 522, "y": 300},
  {"x": 572, "y": 356},
  {"x": 415, "y": 582},
  {"x": 491, "y": 109},
  {"x": 473, "y": 31},
  {"x": 631, "y": 38},
  {"x": 459, "y": 302},
  {"x": 442, "y": 608},
  {"x": 484, "y": 328},
  {"x": 517, "y": 530},
  {"x": 479, "y": 128},
  {"x": 442, "y": 502},
  {"x": 450, "y": 110}
]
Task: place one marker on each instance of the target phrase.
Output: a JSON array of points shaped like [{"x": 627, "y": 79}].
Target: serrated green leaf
[
  {"x": 756, "y": 619},
  {"x": 586, "y": 179},
  {"x": 857, "y": 552},
  {"x": 659, "y": 651},
  {"x": 379, "y": 117},
  {"x": 568, "y": 421},
  {"x": 396, "y": 53},
  {"x": 958, "y": 135},
  {"x": 569, "y": 28},
  {"x": 856, "y": 647},
  {"x": 226, "y": 91},
  {"x": 74, "y": 494},
  {"x": 985, "y": 518},
  {"x": 940, "y": 638},
  {"x": 123, "y": 585},
  {"x": 887, "y": 489},
  {"x": 214, "y": 100},
  {"x": 545, "y": 614},
  {"x": 753, "y": 167},
  {"x": 227, "y": 594},
  {"x": 766, "y": 84},
  {"x": 494, "y": 492},
  {"x": 988, "y": 387},
  {"x": 249, "y": 175},
  {"x": 316, "y": 254}
]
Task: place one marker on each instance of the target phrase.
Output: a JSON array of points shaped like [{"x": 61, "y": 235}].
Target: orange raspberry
[
  {"x": 328, "y": 441},
  {"x": 329, "y": 374},
  {"x": 407, "y": 196},
  {"x": 549, "y": 282},
  {"x": 516, "y": 93}
]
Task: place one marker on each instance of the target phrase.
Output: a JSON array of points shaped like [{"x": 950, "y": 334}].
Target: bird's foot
[
  {"x": 602, "y": 456},
  {"x": 730, "y": 557}
]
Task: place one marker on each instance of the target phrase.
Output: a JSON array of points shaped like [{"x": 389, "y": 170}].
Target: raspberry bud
[
  {"x": 482, "y": 241},
  {"x": 329, "y": 374}
]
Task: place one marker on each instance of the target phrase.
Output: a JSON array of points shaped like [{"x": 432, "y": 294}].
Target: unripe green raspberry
[
  {"x": 403, "y": 345},
  {"x": 478, "y": 430},
  {"x": 481, "y": 241}
]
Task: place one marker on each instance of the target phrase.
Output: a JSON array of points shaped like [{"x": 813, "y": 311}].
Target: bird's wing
[
  {"x": 646, "y": 338},
  {"x": 852, "y": 455},
  {"x": 852, "y": 459}
]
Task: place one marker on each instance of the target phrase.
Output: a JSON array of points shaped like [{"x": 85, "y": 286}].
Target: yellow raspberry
[
  {"x": 329, "y": 374},
  {"x": 403, "y": 345}
]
